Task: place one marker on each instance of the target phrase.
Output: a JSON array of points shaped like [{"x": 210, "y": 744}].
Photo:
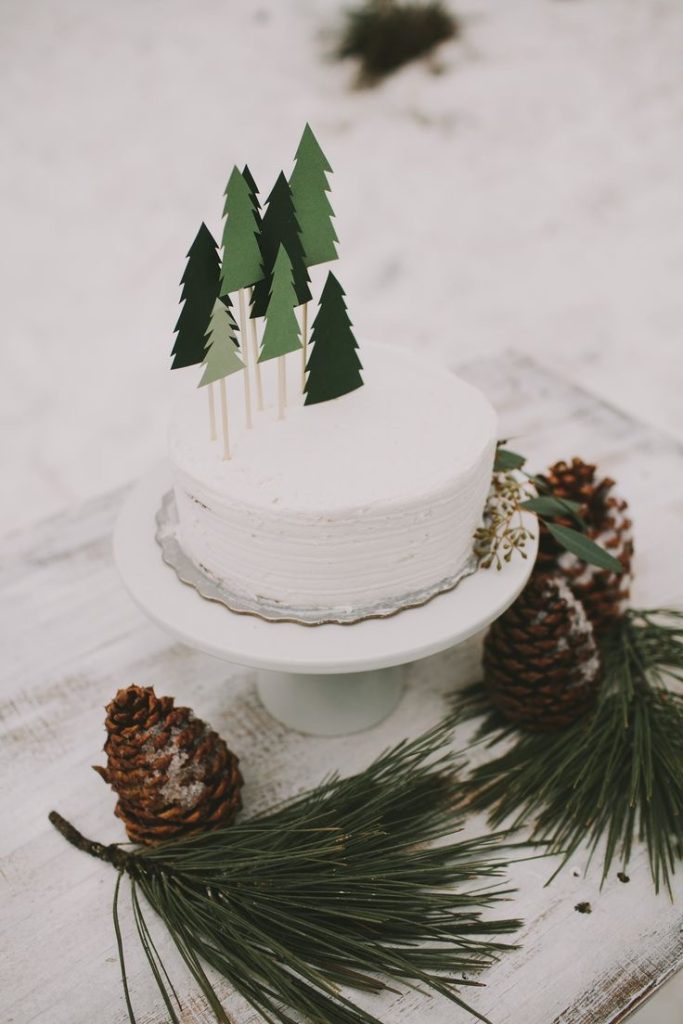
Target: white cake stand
[{"x": 328, "y": 680}]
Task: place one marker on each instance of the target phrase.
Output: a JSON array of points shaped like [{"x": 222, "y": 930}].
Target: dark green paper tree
[
  {"x": 280, "y": 228},
  {"x": 241, "y": 251},
  {"x": 333, "y": 365},
  {"x": 253, "y": 192},
  {"x": 220, "y": 361},
  {"x": 282, "y": 333},
  {"x": 227, "y": 302},
  {"x": 314, "y": 213},
  {"x": 200, "y": 287}
]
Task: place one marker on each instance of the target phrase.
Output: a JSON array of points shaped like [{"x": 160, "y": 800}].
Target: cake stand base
[
  {"x": 331, "y": 705},
  {"x": 329, "y": 679}
]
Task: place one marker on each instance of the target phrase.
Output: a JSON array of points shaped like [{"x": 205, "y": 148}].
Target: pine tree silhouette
[
  {"x": 200, "y": 287},
  {"x": 221, "y": 358},
  {"x": 242, "y": 264},
  {"x": 280, "y": 227},
  {"x": 281, "y": 333},
  {"x": 309, "y": 187},
  {"x": 254, "y": 193},
  {"x": 333, "y": 365}
]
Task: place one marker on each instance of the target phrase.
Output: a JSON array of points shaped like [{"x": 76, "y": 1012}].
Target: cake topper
[
  {"x": 265, "y": 260},
  {"x": 200, "y": 283},
  {"x": 242, "y": 262},
  {"x": 280, "y": 226},
  {"x": 242, "y": 266},
  {"x": 253, "y": 335},
  {"x": 310, "y": 186},
  {"x": 253, "y": 192},
  {"x": 220, "y": 361},
  {"x": 333, "y": 367},
  {"x": 282, "y": 332}
]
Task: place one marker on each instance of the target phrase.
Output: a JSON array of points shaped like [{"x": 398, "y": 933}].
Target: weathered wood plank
[{"x": 72, "y": 637}]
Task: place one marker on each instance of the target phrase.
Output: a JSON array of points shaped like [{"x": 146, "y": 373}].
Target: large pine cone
[
  {"x": 604, "y": 594},
  {"x": 173, "y": 775},
  {"x": 541, "y": 662}
]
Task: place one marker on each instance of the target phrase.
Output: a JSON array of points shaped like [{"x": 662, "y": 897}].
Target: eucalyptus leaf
[
  {"x": 549, "y": 507},
  {"x": 506, "y": 460},
  {"x": 584, "y": 548}
]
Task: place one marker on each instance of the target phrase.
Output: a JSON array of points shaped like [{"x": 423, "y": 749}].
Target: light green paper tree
[
  {"x": 220, "y": 361},
  {"x": 282, "y": 333},
  {"x": 242, "y": 264},
  {"x": 314, "y": 213},
  {"x": 221, "y": 358}
]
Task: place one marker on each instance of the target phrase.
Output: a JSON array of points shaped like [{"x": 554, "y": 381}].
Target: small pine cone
[
  {"x": 173, "y": 775},
  {"x": 604, "y": 594},
  {"x": 541, "y": 663}
]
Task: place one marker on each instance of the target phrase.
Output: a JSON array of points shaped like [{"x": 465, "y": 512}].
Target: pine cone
[
  {"x": 603, "y": 594},
  {"x": 173, "y": 775},
  {"x": 541, "y": 663}
]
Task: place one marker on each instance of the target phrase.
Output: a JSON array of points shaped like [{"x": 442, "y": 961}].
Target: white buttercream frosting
[{"x": 365, "y": 500}]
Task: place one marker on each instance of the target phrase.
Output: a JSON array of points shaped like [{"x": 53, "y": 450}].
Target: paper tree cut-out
[
  {"x": 309, "y": 187},
  {"x": 253, "y": 192},
  {"x": 221, "y": 358},
  {"x": 280, "y": 228},
  {"x": 281, "y": 333},
  {"x": 242, "y": 264},
  {"x": 333, "y": 365},
  {"x": 200, "y": 287},
  {"x": 227, "y": 302},
  {"x": 220, "y": 361}
]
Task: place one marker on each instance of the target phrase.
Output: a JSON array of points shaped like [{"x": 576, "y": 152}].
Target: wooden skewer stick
[
  {"x": 282, "y": 387},
  {"x": 212, "y": 413},
  {"x": 304, "y": 342},
  {"x": 245, "y": 360},
  {"x": 224, "y": 418},
  {"x": 254, "y": 346}
]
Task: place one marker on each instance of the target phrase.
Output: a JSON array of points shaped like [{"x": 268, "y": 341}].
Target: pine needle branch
[
  {"x": 362, "y": 882},
  {"x": 613, "y": 778}
]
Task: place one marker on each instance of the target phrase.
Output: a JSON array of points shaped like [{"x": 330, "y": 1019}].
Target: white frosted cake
[{"x": 361, "y": 505}]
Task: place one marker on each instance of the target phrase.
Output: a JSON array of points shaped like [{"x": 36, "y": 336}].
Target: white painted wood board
[{"x": 71, "y": 637}]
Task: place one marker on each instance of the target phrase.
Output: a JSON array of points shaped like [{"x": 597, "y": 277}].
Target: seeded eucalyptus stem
[{"x": 503, "y": 532}]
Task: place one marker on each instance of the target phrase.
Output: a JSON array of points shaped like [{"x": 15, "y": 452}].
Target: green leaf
[
  {"x": 548, "y": 506},
  {"x": 584, "y": 548},
  {"x": 506, "y": 460}
]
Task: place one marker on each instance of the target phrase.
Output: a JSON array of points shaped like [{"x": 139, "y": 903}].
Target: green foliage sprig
[
  {"x": 514, "y": 491},
  {"x": 343, "y": 886},
  {"x": 614, "y": 777},
  {"x": 385, "y": 34}
]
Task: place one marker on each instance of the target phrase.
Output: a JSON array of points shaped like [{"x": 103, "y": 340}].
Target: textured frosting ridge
[{"x": 366, "y": 500}]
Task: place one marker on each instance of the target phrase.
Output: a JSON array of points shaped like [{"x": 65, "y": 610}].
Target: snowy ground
[{"x": 523, "y": 189}]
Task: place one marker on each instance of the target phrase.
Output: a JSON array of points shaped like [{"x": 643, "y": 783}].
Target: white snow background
[{"x": 523, "y": 188}]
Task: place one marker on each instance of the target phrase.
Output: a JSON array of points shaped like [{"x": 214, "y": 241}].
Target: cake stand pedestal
[{"x": 327, "y": 680}]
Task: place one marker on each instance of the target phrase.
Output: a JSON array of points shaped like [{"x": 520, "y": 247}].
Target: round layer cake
[{"x": 358, "y": 506}]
